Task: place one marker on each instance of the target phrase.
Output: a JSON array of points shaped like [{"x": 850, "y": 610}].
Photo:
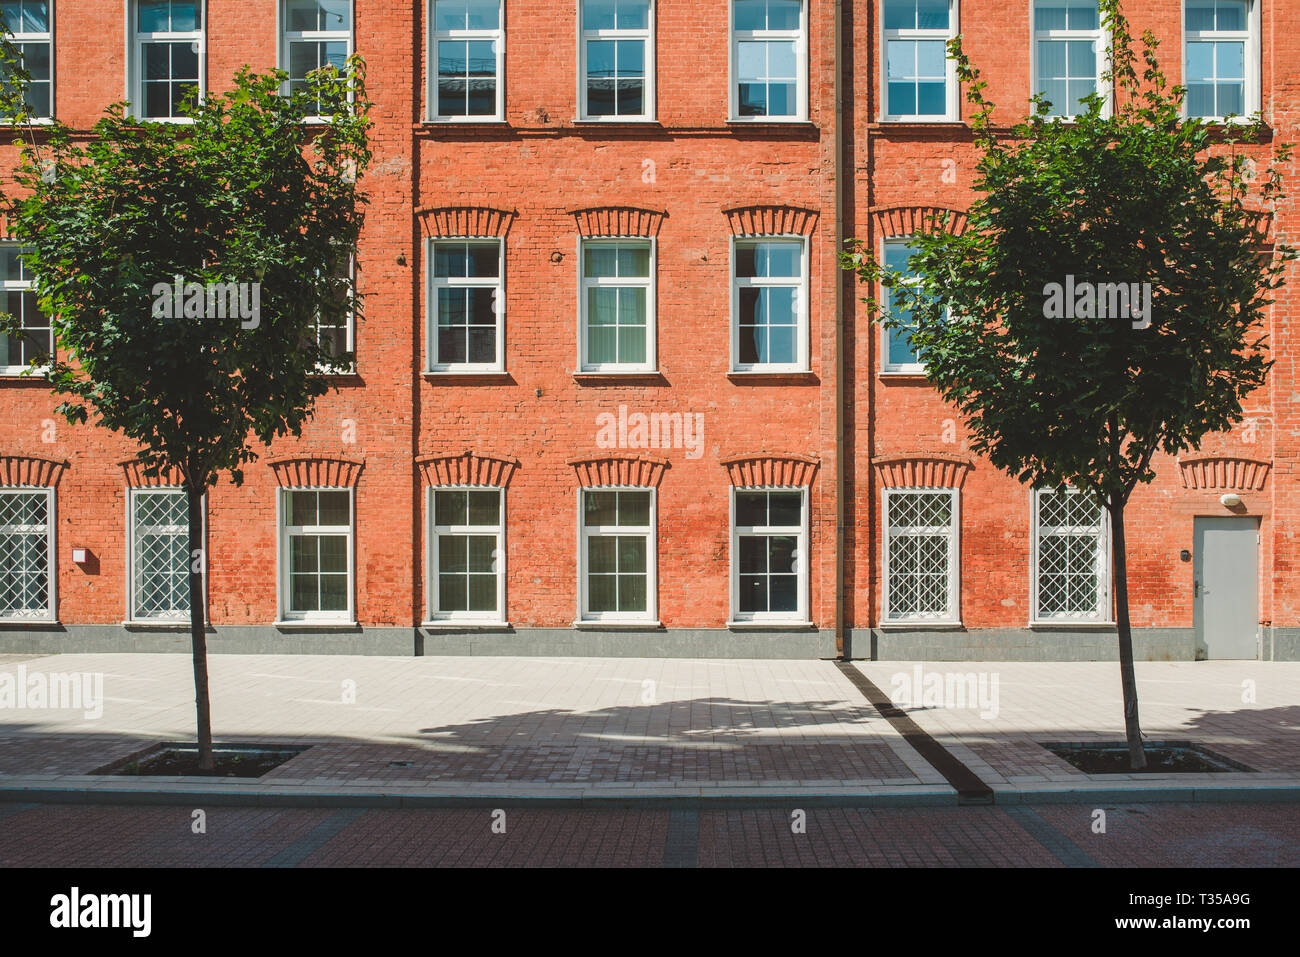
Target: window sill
[
  {"x": 902, "y": 374},
  {"x": 783, "y": 121},
  {"x": 921, "y": 626},
  {"x": 583, "y": 624},
  {"x": 479, "y": 373},
  {"x": 453, "y": 122},
  {"x": 162, "y": 625},
  {"x": 771, "y": 626},
  {"x": 297, "y": 624},
  {"x": 592, "y": 376},
  {"x": 892, "y": 122},
  {"x": 1071, "y": 625},
  {"x": 616, "y": 121},
  {"x": 444, "y": 624},
  {"x": 772, "y": 374},
  {"x": 13, "y": 623}
]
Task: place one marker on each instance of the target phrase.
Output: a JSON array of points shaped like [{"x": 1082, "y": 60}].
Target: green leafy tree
[
  {"x": 132, "y": 229},
  {"x": 1073, "y": 394}
]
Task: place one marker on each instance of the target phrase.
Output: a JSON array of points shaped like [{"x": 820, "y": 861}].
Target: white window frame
[
  {"x": 651, "y": 614},
  {"x": 135, "y": 44},
  {"x": 497, "y": 36},
  {"x": 952, "y": 101},
  {"x": 284, "y": 587},
  {"x": 801, "y": 303},
  {"x": 648, "y": 283},
  {"x": 350, "y": 331},
  {"x": 133, "y": 496},
  {"x": 51, "y": 569},
  {"x": 952, "y": 614},
  {"x": 288, "y": 36},
  {"x": 433, "y": 363},
  {"x": 23, "y": 285},
  {"x": 801, "y": 66},
  {"x": 648, "y": 93},
  {"x": 1105, "y": 605},
  {"x": 47, "y": 38},
  {"x": 801, "y": 615},
  {"x": 1250, "y": 37},
  {"x": 887, "y": 367},
  {"x": 433, "y": 613},
  {"x": 1101, "y": 48}
]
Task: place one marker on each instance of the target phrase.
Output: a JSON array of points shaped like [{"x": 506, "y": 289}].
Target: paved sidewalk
[
  {"x": 1246, "y": 711},
  {"x": 486, "y": 725},
  {"x": 407, "y": 730}
]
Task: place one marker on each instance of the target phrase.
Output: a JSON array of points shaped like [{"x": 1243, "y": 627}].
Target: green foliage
[
  {"x": 246, "y": 190},
  {"x": 1140, "y": 196}
]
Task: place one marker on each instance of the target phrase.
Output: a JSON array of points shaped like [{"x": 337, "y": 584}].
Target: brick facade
[{"x": 693, "y": 182}]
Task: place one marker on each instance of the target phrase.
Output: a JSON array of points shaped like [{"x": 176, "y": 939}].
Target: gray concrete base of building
[{"x": 985, "y": 644}]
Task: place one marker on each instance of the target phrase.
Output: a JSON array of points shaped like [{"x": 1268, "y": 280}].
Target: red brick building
[{"x": 611, "y": 390}]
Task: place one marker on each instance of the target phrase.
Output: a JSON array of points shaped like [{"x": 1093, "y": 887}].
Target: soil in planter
[
  {"x": 1161, "y": 759},
  {"x": 230, "y": 762}
]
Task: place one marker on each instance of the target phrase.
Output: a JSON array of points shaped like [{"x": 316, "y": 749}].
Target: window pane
[
  {"x": 751, "y": 509},
  {"x": 600, "y": 508},
  {"x": 783, "y": 592},
  {"x": 602, "y": 554},
  {"x": 152, "y": 16},
  {"x": 333, "y": 553},
  {"x": 900, "y": 14},
  {"x": 753, "y": 554},
  {"x": 634, "y": 508},
  {"x": 482, "y": 14},
  {"x": 453, "y": 593},
  {"x": 1200, "y": 14},
  {"x": 302, "y": 508},
  {"x": 334, "y": 508},
  {"x": 634, "y": 261},
  {"x": 932, "y": 14},
  {"x": 481, "y": 548},
  {"x": 633, "y": 14},
  {"x": 484, "y": 508},
  {"x": 631, "y": 553},
  {"x": 783, "y": 14},
  {"x": 750, "y": 14},
  {"x": 786, "y": 509},
  {"x": 303, "y": 554},
  {"x": 482, "y": 593},
  {"x": 631, "y": 593},
  {"x": 334, "y": 592},
  {"x": 452, "y": 554},
  {"x": 450, "y": 507},
  {"x": 598, "y": 14},
  {"x": 600, "y": 261},
  {"x": 602, "y": 592}
]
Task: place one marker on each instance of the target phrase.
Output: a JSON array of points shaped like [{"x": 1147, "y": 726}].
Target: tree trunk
[
  {"x": 198, "y": 624},
  {"x": 1132, "y": 729}
]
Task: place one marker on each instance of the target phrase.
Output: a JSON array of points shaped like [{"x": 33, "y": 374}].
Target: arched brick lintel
[
  {"x": 30, "y": 470},
  {"x": 771, "y": 220},
  {"x": 642, "y": 471},
  {"x": 1224, "y": 471},
  {"x": 922, "y": 470},
  {"x": 618, "y": 221},
  {"x": 316, "y": 470},
  {"x": 467, "y": 468},
  {"x": 133, "y": 470},
  {"x": 909, "y": 220},
  {"x": 766, "y": 468},
  {"x": 444, "y": 221}
]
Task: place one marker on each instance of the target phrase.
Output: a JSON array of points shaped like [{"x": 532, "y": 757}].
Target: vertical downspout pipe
[{"x": 842, "y": 641}]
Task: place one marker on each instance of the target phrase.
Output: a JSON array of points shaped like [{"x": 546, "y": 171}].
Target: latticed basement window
[
  {"x": 160, "y": 548},
  {"x": 921, "y": 555},
  {"x": 26, "y": 528},
  {"x": 1071, "y": 557}
]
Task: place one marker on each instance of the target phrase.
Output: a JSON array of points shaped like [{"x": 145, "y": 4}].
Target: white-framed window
[
  {"x": 467, "y": 557},
  {"x": 167, "y": 57},
  {"x": 769, "y": 60},
  {"x": 27, "y": 554},
  {"x": 314, "y": 34},
  {"x": 32, "y": 30},
  {"x": 1071, "y": 558},
  {"x": 333, "y": 327},
  {"x": 616, "y": 554},
  {"x": 316, "y": 554},
  {"x": 617, "y": 305},
  {"x": 769, "y": 305},
  {"x": 898, "y": 353},
  {"x": 919, "y": 81},
  {"x": 35, "y": 344},
  {"x": 158, "y": 554},
  {"x": 922, "y": 555},
  {"x": 616, "y": 55},
  {"x": 466, "y": 54},
  {"x": 769, "y": 555},
  {"x": 466, "y": 305},
  {"x": 1068, "y": 53},
  {"x": 1221, "y": 58}
]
